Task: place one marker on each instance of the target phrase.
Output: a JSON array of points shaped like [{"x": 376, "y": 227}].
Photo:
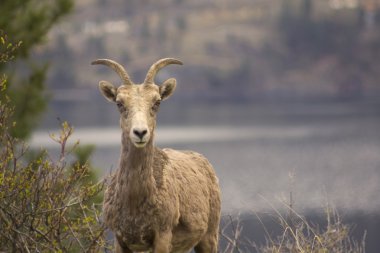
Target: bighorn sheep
[{"x": 159, "y": 201}]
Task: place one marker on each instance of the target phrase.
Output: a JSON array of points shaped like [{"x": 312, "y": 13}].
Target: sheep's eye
[
  {"x": 156, "y": 105},
  {"x": 120, "y": 106}
]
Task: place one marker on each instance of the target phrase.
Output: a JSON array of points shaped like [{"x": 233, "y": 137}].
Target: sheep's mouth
[{"x": 140, "y": 144}]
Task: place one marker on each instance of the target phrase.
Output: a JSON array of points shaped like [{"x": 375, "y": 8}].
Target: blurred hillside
[{"x": 238, "y": 50}]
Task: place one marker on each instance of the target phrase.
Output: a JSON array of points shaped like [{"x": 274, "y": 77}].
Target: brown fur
[{"x": 159, "y": 201}]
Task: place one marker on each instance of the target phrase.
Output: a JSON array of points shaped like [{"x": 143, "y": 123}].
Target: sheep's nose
[{"x": 140, "y": 132}]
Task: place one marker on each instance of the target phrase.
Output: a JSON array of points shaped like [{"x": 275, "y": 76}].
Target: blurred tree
[
  {"x": 181, "y": 23},
  {"x": 45, "y": 206},
  {"x": 307, "y": 9},
  {"x": 28, "y": 21},
  {"x": 342, "y": 40},
  {"x": 64, "y": 75},
  {"x": 162, "y": 29}
]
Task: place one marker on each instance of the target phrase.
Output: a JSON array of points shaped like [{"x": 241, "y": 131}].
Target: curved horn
[
  {"x": 157, "y": 66},
  {"x": 117, "y": 68}
]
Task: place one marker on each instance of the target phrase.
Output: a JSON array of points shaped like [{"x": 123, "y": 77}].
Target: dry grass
[{"x": 298, "y": 235}]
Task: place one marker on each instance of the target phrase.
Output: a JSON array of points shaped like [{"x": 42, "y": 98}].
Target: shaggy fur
[{"x": 159, "y": 201}]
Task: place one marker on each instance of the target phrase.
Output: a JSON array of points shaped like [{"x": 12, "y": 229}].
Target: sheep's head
[{"x": 138, "y": 104}]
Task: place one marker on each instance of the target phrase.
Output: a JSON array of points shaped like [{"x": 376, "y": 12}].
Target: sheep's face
[{"x": 138, "y": 106}]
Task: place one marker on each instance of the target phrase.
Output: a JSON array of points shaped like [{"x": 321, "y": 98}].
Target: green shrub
[{"x": 46, "y": 205}]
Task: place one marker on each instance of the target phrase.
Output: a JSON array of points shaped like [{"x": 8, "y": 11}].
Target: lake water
[{"x": 322, "y": 152}]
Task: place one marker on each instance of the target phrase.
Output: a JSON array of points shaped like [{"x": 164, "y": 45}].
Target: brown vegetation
[{"x": 45, "y": 205}]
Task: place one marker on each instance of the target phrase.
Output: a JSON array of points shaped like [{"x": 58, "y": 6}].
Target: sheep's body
[
  {"x": 184, "y": 199},
  {"x": 159, "y": 201}
]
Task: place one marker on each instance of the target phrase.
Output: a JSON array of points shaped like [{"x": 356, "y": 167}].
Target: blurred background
[{"x": 282, "y": 96}]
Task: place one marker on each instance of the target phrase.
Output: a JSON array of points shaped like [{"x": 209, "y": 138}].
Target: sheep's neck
[{"x": 136, "y": 180}]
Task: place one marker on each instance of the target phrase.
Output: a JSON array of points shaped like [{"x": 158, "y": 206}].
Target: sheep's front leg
[{"x": 163, "y": 242}]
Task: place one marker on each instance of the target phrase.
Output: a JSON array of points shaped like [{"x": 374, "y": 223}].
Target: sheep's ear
[
  {"x": 167, "y": 88},
  {"x": 108, "y": 90}
]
